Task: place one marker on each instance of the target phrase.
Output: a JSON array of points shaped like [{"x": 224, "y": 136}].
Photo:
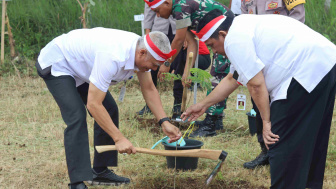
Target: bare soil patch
[{"x": 150, "y": 124}]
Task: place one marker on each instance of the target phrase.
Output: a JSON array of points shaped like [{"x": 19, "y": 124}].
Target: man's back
[
  {"x": 87, "y": 54},
  {"x": 268, "y": 41}
]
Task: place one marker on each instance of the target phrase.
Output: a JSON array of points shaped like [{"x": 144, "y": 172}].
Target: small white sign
[
  {"x": 122, "y": 93},
  {"x": 241, "y": 102},
  {"x": 139, "y": 17}
]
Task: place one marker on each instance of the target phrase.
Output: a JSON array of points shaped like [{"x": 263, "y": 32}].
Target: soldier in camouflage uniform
[
  {"x": 187, "y": 14},
  {"x": 293, "y": 9},
  {"x": 219, "y": 69}
]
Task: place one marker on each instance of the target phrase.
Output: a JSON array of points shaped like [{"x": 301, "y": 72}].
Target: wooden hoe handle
[
  {"x": 200, "y": 153},
  {"x": 185, "y": 89}
]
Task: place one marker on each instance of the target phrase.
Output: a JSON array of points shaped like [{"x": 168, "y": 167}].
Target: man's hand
[
  {"x": 125, "y": 146},
  {"x": 185, "y": 45},
  {"x": 269, "y": 137},
  {"x": 171, "y": 131},
  {"x": 163, "y": 69},
  {"x": 185, "y": 81},
  {"x": 193, "y": 112}
]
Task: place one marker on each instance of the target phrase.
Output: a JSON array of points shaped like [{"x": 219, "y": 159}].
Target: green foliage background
[{"x": 36, "y": 22}]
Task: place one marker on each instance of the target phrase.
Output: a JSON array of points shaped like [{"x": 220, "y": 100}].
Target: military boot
[
  {"x": 260, "y": 160},
  {"x": 176, "y": 111},
  {"x": 207, "y": 121},
  {"x": 219, "y": 123},
  {"x": 207, "y": 128}
]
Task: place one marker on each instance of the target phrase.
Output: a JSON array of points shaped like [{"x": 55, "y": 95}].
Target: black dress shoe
[
  {"x": 77, "y": 186},
  {"x": 108, "y": 178},
  {"x": 144, "y": 110}
]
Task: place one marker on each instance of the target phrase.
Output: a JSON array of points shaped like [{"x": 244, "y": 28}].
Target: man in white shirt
[
  {"x": 296, "y": 70},
  {"x": 293, "y": 9},
  {"x": 78, "y": 68}
]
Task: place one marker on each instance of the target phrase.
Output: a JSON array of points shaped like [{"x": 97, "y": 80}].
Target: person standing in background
[
  {"x": 168, "y": 27},
  {"x": 293, "y": 9}
]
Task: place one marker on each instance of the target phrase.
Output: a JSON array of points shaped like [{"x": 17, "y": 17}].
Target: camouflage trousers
[{"x": 219, "y": 69}]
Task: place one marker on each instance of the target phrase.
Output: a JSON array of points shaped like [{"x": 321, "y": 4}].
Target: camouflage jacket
[
  {"x": 187, "y": 13},
  {"x": 220, "y": 64}
]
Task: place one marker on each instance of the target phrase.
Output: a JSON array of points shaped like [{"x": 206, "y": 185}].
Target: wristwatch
[
  {"x": 166, "y": 63},
  {"x": 163, "y": 120}
]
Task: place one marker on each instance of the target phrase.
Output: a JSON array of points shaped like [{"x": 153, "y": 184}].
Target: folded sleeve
[
  {"x": 149, "y": 17},
  {"x": 104, "y": 69},
  {"x": 240, "y": 49}
]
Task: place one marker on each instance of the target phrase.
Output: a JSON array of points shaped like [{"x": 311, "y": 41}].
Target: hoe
[{"x": 200, "y": 153}]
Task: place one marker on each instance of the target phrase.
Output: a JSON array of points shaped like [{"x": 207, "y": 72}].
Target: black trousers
[
  {"x": 72, "y": 101},
  {"x": 303, "y": 123}
]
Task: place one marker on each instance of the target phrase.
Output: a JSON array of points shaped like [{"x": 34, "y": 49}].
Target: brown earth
[
  {"x": 150, "y": 124},
  {"x": 153, "y": 126}
]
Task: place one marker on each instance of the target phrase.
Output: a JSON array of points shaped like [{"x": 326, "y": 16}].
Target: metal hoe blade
[{"x": 217, "y": 168}]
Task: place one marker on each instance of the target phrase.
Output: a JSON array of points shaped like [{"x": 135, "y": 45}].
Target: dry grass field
[{"x": 32, "y": 153}]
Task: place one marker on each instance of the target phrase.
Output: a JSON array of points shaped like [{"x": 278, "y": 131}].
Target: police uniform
[
  {"x": 168, "y": 27},
  {"x": 300, "y": 76},
  {"x": 101, "y": 56},
  {"x": 154, "y": 23},
  {"x": 294, "y": 9}
]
